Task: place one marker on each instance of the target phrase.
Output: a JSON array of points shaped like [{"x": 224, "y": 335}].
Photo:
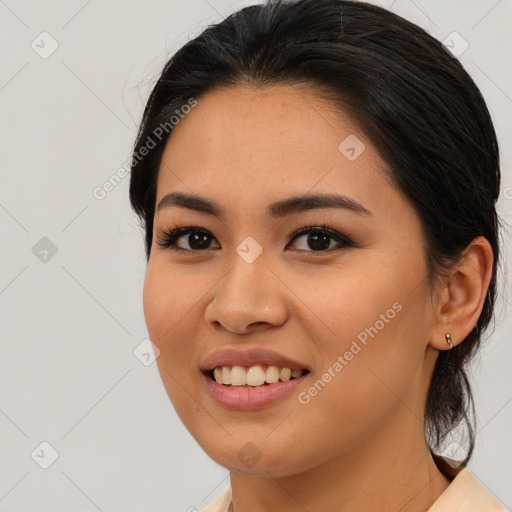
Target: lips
[{"x": 251, "y": 378}]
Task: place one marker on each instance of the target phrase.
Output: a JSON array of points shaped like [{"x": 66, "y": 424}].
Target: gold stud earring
[{"x": 449, "y": 340}]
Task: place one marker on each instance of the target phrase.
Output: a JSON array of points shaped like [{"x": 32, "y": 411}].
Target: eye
[
  {"x": 320, "y": 239},
  {"x": 196, "y": 238}
]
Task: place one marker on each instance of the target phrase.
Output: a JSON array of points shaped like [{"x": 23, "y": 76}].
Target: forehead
[
  {"x": 278, "y": 121},
  {"x": 248, "y": 142}
]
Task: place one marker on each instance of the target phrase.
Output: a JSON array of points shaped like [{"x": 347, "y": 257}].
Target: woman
[{"x": 317, "y": 182}]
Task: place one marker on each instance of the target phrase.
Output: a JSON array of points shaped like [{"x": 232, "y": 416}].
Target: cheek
[
  {"x": 167, "y": 297},
  {"x": 378, "y": 318},
  {"x": 374, "y": 367},
  {"x": 168, "y": 311}
]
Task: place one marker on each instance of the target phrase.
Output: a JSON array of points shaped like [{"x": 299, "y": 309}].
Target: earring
[{"x": 449, "y": 339}]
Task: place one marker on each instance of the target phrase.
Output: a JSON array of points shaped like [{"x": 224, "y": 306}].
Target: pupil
[
  {"x": 318, "y": 241},
  {"x": 198, "y": 240}
]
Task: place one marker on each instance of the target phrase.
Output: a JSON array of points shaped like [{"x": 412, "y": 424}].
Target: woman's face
[{"x": 348, "y": 304}]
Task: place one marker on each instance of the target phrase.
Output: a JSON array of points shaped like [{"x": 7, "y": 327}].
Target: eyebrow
[{"x": 277, "y": 209}]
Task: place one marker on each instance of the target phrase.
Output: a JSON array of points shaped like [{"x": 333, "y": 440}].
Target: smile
[
  {"x": 251, "y": 378},
  {"x": 254, "y": 376}
]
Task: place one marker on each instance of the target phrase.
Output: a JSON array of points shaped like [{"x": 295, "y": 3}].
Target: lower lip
[{"x": 247, "y": 398}]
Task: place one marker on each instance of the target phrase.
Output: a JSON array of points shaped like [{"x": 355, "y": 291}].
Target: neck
[{"x": 387, "y": 476}]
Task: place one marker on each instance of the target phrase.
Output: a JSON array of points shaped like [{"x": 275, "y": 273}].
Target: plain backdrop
[{"x": 73, "y": 82}]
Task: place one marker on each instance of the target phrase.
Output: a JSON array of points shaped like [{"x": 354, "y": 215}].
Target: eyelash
[{"x": 168, "y": 238}]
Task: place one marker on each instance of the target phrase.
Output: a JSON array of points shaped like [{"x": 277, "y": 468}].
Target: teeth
[
  {"x": 225, "y": 377},
  {"x": 254, "y": 376},
  {"x": 238, "y": 376},
  {"x": 285, "y": 374},
  {"x": 296, "y": 374},
  {"x": 272, "y": 374}
]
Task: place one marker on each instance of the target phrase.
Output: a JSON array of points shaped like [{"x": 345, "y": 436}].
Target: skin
[{"x": 359, "y": 443}]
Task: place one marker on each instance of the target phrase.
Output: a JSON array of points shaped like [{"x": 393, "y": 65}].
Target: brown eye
[
  {"x": 320, "y": 239},
  {"x": 187, "y": 239}
]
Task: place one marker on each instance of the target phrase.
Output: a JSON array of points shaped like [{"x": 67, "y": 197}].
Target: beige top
[{"x": 464, "y": 494}]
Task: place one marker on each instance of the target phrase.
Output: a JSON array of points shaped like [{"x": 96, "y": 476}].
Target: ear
[{"x": 461, "y": 297}]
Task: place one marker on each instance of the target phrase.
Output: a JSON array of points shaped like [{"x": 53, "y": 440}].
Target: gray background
[{"x": 71, "y": 320}]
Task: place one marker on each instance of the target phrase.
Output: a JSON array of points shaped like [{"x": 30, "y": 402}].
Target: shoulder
[
  {"x": 466, "y": 494},
  {"x": 221, "y": 503}
]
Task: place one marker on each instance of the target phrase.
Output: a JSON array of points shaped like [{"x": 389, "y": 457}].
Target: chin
[{"x": 258, "y": 457}]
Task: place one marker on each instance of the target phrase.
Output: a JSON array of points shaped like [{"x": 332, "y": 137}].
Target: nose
[{"x": 248, "y": 298}]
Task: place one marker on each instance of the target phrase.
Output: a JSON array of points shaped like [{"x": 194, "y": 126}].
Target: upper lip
[{"x": 249, "y": 357}]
